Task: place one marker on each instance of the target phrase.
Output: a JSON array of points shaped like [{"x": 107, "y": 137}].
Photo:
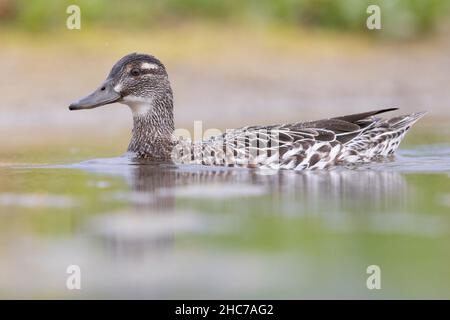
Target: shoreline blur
[{"x": 245, "y": 75}]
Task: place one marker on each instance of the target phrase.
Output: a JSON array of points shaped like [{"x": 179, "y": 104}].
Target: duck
[{"x": 141, "y": 81}]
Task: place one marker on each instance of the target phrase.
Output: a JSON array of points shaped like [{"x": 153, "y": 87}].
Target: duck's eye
[{"x": 135, "y": 72}]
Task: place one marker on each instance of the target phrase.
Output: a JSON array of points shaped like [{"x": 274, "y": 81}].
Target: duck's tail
[
  {"x": 406, "y": 121},
  {"x": 381, "y": 139}
]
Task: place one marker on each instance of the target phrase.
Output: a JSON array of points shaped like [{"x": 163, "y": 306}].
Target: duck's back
[{"x": 355, "y": 138}]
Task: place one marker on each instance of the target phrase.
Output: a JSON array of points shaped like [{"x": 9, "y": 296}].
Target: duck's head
[{"x": 136, "y": 80}]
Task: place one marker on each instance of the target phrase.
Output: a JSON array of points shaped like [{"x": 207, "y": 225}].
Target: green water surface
[{"x": 141, "y": 231}]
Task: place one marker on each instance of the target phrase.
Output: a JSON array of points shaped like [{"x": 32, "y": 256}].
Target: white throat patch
[{"x": 138, "y": 105}]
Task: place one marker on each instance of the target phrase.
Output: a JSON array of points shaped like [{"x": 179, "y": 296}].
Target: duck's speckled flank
[{"x": 299, "y": 146}]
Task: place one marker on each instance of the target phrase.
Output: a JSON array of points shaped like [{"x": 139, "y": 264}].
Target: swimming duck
[{"x": 141, "y": 82}]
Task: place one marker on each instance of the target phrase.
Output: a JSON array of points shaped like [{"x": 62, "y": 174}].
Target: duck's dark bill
[{"x": 103, "y": 95}]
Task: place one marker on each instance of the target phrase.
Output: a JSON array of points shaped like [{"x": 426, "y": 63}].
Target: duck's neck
[{"x": 153, "y": 127}]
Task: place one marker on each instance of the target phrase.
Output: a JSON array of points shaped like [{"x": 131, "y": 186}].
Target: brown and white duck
[{"x": 141, "y": 82}]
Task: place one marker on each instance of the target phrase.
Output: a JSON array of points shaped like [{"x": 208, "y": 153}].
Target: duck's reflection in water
[
  {"x": 170, "y": 200},
  {"x": 158, "y": 187}
]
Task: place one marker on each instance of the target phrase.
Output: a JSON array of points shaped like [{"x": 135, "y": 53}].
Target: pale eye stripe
[{"x": 147, "y": 65}]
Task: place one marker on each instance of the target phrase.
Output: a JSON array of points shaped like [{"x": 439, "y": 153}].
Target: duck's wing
[
  {"x": 301, "y": 145},
  {"x": 348, "y": 127},
  {"x": 353, "y": 118},
  {"x": 340, "y": 129}
]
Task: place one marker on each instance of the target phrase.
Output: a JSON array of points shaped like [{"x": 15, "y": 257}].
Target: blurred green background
[{"x": 401, "y": 18}]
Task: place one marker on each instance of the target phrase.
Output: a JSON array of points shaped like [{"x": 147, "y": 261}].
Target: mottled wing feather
[
  {"x": 302, "y": 145},
  {"x": 354, "y": 118},
  {"x": 280, "y": 146}
]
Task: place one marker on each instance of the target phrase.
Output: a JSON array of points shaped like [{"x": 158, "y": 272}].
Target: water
[{"x": 143, "y": 231}]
